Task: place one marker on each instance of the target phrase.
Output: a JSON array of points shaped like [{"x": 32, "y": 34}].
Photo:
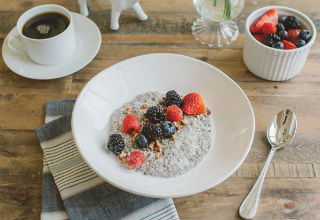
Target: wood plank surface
[{"x": 291, "y": 189}]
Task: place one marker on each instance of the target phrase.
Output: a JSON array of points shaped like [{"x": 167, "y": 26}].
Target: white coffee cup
[{"x": 48, "y": 51}]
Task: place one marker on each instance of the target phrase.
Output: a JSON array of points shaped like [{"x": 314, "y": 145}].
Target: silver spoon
[{"x": 280, "y": 133}]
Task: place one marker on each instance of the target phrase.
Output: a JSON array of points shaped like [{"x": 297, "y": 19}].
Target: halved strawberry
[
  {"x": 268, "y": 28},
  {"x": 288, "y": 45},
  {"x": 259, "y": 37},
  {"x": 293, "y": 35},
  {"x": 270, "y": 16},
  {"x": 130, "y": 123},
  {"x": 193, "y": 104}
]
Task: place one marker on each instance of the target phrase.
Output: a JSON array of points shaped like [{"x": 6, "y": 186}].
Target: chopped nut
[
  {"x": 158, "y": 149},
  {"x": 184, "y": 122},
  {"x": 157, "y": 124},
  {"x": 161, "y": 101},
  {"x": 159, "y": 155},
  {"x": 178, "y": 125},
  {"x": 205, "y": 114},
  {"x": 158, "y": 143},
  {"x": 122, "y": 157},
  {"x": 144, "y": 106},
  {"x": 127, "y": 111},
  {"x": 208, "y": 111},
  {"x": 133, "y": 139},
  {"x": 198, "y": 117},
  {"x": 173, "y": 137},
  {"x": 130, "y": 167},
  {"x": 165, "y": 108},
  {"x": 151, "y": 145}
]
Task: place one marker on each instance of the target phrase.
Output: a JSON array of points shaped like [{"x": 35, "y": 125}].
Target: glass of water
[{"x": 215, "y": 26}]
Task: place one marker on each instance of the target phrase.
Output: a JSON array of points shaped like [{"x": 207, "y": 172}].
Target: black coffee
[{"x": 45, "y": 25}]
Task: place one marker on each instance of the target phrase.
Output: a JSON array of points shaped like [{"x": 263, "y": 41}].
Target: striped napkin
[{"x": 71, "y": 190}]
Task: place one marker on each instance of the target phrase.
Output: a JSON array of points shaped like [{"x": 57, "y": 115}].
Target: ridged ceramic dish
[{"x": 274, "y": 64}]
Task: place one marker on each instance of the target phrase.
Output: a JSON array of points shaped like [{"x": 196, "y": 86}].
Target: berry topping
[
  {"x": 259, "y": 37},
  {"x": 116, "y": 144},
  {"x": 268, "y": 28},
  {"x": 168, "y": 129},
  {"x": 130, "y": 123},
  {"x": 288, "y": 45},
  {"x": 135, "y": 159},
  {"x": 270, "y": 16},
  {"x": 300, "y": 43},
  {"x": 280, "y": 27},
  {"x": 174, "y": 113},
  {"x": 294, "y": 35},
  {"x": 282, "y": 18},
  {"x": 305, "y": 35},
  {"x": 155, "y": 114},
  {"x": 151, "y": 131},
  {"x": 271, "y": 39},
  {"x": 142, "y": 141},
  {"x": 291, "y": 22},
  {"x": 172, "y": 98},
  {"x": 283, "y": 35},
  {"x": 278, "y": 45},
  {"x": 193, "y": 104}
]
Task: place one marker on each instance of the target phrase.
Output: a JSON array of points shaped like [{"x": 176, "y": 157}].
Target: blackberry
[
  {"x": 282, "y": 18},
  {"x": 300, "y": 43},
  {"x": 305, "y": 35},
  {"x": 151, "y": 131},
  {"x": 172, "y": 98},
  {"x": 283, "y": 35},
  {"x": 271, "y": 39},
  {"x": 142, "y": 141},
  {"x": 155, "y": 114},
  {"x": 116, "y": 144},
  {"x": 278, "y": 45},
  {"x": 291, "y": 22},
  {"x": 168, "y": 129}
]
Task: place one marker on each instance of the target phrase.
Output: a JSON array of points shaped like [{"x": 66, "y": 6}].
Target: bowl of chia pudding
[{"x": 163, "y": 125}]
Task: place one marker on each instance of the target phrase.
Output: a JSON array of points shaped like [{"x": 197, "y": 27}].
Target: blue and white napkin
[{"x": 71, "y": 190}]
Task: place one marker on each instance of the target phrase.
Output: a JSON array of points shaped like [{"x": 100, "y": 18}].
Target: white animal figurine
[{"x": 116, "y": 7}]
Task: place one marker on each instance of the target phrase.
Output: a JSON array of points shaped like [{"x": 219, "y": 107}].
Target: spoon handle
[{"x": 249, "y": 206}]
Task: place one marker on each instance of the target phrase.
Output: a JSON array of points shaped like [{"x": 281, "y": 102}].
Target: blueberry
[
  {"x": 168, "y": 129},
  {"x": 291, "y": 22},
  {"x": 142, "y": 141},
  {"x": 280, "y": 27},
  {"x": 283, "y": 35},
  {"x": 300, "y": 43},
  {"x": 305, "y": 35},
  {"x": 278, "y": 45},
  {"x": 270, "y": 39},
  {"x": 282, "y": 18}
]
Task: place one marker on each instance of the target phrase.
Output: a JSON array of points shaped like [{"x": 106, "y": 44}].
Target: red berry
[
  {"x": 259, "y": 37},
  {"x": 130, "y": 123},
  {"x": 268, "y": 28},
  {"x": 193, "y": 104},
  {"x": 135, "y": 159},
  {"x": 293, "y": 35},
  {"x": 174, "y": 113},
  {"x": 270, "y": 16},
  {"x": 288, "y": 45}
]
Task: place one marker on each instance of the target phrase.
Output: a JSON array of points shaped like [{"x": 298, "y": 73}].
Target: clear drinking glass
[{"x": 215, "y": 26}]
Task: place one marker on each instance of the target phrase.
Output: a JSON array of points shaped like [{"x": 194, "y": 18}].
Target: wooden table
[{"x": 292, "y": 187}]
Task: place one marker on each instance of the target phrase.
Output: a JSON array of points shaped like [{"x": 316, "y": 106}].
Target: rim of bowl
[{"x": 294, "y": 12}]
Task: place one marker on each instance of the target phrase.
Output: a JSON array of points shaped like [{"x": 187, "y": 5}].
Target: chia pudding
[{"x": 163, "y": 157}]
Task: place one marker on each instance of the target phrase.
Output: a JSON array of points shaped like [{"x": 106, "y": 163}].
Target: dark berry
[
  {"x": 291, "y": 22},
  {"x": 283, "y": 35},
  {"x": 282, "y": 18},
  {"x": 271, "y": 39},
  {"x": 300, "y": 43},
  {"x": 172, "y": 98},
  {"x": 305, "y": 35},
  {"x": 280, "y": 27},
  {"x": 155, "y": 114},
  {"x": 142, "y": 141},
  {"x": 278, "y": 45},
  {"x": 151, "y": 131},
  {"x": 116, "y": 144},
  {"x": 168, "y": 129}
]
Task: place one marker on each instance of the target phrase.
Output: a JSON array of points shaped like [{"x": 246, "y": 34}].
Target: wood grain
[{"x": 291, "y": 190}]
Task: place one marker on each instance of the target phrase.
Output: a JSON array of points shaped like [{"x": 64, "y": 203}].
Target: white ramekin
[{"x": 274, "y": 64}]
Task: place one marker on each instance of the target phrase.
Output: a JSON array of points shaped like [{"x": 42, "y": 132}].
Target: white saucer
[{"x": 89, "y": 41}]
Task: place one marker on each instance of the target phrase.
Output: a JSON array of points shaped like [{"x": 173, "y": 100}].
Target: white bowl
[
  {"x": 232, "y": 113},
  {"x": 274, "y": 64}
]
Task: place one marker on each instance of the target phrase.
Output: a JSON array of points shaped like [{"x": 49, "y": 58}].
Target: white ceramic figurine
[{"x": 116, "y": 7}]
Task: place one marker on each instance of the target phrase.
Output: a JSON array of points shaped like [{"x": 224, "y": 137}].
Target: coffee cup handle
[{"x": 12, "y": 47}]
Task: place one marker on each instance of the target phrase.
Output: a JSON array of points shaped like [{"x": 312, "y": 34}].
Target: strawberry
[
  {"x": 293, "y": 35},
  {"x": 259, "y": 37},
  {"x": 268, "y": 28},
  {"x": 288, "y": 45},
  {"x": 135, "y": 159},
  {"x": 130, "y": 123},
  {"x": 270, "y": 16},
  {"x": 174, "y": 113},
  {"x": 193, "y": 104}
]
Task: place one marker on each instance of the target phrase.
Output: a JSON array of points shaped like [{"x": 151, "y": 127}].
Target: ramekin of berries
[{"x": 277, "y": 42}]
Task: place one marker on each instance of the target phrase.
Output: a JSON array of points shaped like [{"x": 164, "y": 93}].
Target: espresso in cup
[{"x": 45, "y": 25}]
